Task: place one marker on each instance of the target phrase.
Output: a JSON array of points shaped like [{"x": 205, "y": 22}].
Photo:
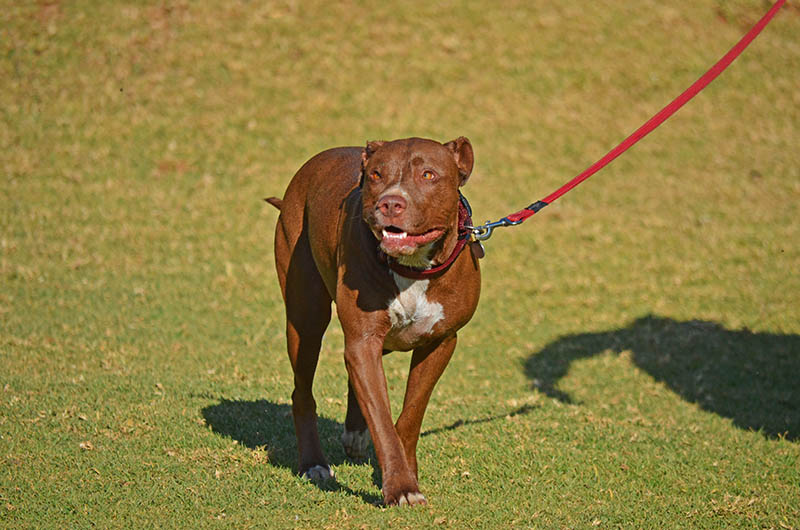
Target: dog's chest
[{"x": 411, "y": 313}]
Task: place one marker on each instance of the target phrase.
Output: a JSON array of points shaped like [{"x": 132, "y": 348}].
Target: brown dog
[{"x": 354, "y": 223}]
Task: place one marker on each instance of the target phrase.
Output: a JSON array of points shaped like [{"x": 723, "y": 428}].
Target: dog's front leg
[
  {"x": 427, "y": 364},
  {"x": 364, "y": 360}
]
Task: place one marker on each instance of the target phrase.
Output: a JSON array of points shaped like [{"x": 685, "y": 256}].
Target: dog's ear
[
  {"x": 465, "y": 158},
  {"x": 368, "y": 151}
]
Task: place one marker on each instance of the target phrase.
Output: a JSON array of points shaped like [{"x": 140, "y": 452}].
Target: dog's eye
[
  {"x": 375, "y": 176},
  {"x": 428, "y": 175}
]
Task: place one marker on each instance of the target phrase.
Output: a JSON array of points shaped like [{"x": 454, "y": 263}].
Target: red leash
[{"x": 485, "y": 231}]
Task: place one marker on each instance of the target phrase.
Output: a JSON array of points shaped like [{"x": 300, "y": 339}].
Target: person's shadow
[{"x": 752, "y": 378}]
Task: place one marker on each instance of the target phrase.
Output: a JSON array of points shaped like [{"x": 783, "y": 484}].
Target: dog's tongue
[{"x": 402, "y": 242}]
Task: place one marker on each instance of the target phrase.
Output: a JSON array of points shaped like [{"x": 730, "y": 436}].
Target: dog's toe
[
  {"x": 355, "y": 443},
  {"x": 319, "y": 473},
  {"x": 411, "y": 499}
]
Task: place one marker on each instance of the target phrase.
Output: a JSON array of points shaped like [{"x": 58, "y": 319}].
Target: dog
[{"x": 381, "y": 231}]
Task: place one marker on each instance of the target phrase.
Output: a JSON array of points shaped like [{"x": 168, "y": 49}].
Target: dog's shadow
[
  {"x": 749, "y": 377},
  {"x": 262, "y": 424}
]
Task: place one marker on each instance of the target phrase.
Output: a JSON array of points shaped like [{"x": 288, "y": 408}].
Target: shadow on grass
[
  {"x": 524, "y": 409},
  {"x": 749, "y": 377},
  {"x": 263, "y": 424}
]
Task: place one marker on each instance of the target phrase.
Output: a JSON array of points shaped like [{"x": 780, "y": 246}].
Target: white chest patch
[{"x": 411, "y": 307}]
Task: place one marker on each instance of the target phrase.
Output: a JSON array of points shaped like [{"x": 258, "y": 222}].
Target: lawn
[{"x": 635, "y": 359}]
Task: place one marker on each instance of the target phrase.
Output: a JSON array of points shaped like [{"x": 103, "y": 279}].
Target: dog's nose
[{"x": 392, "y": 205}]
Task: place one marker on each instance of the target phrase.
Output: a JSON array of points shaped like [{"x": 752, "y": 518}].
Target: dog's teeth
[{"x": 394, "y": 235}]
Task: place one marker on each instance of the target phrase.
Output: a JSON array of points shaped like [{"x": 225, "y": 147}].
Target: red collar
[{"x": 464, "y": 221}]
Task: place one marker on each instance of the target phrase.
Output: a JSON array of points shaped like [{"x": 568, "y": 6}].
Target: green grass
[{"x": 635, "y": 357}]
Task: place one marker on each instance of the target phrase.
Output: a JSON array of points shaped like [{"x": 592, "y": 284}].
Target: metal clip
[{"x": 484, "y": 232}]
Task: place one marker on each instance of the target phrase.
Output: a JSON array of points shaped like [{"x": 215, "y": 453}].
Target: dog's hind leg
[
  {"x": 355, "y": 438},
  {"x": 308, "y": 313}
]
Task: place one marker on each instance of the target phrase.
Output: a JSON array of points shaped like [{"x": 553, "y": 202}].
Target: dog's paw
[
  {"x": 355, "y": 443},
  {"x": 402, "y": 493},
  {"x": 318, "y": 473},
  {"x": 410, "y": 498}
]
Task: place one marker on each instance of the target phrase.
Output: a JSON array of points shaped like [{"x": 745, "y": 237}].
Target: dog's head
[{"x": 410, "y": 194}]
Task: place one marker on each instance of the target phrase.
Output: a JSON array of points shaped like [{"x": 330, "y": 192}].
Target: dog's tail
[{"x": 276, "y": 202}]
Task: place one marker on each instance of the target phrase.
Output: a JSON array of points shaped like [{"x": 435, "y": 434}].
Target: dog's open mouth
[{"x": 395, "y": 241}]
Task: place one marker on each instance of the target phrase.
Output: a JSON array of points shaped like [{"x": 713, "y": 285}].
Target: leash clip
[{"x": 484, "y": 231}]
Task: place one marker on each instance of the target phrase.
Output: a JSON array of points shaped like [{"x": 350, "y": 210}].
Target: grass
[{"x": 633, "y": 362}]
